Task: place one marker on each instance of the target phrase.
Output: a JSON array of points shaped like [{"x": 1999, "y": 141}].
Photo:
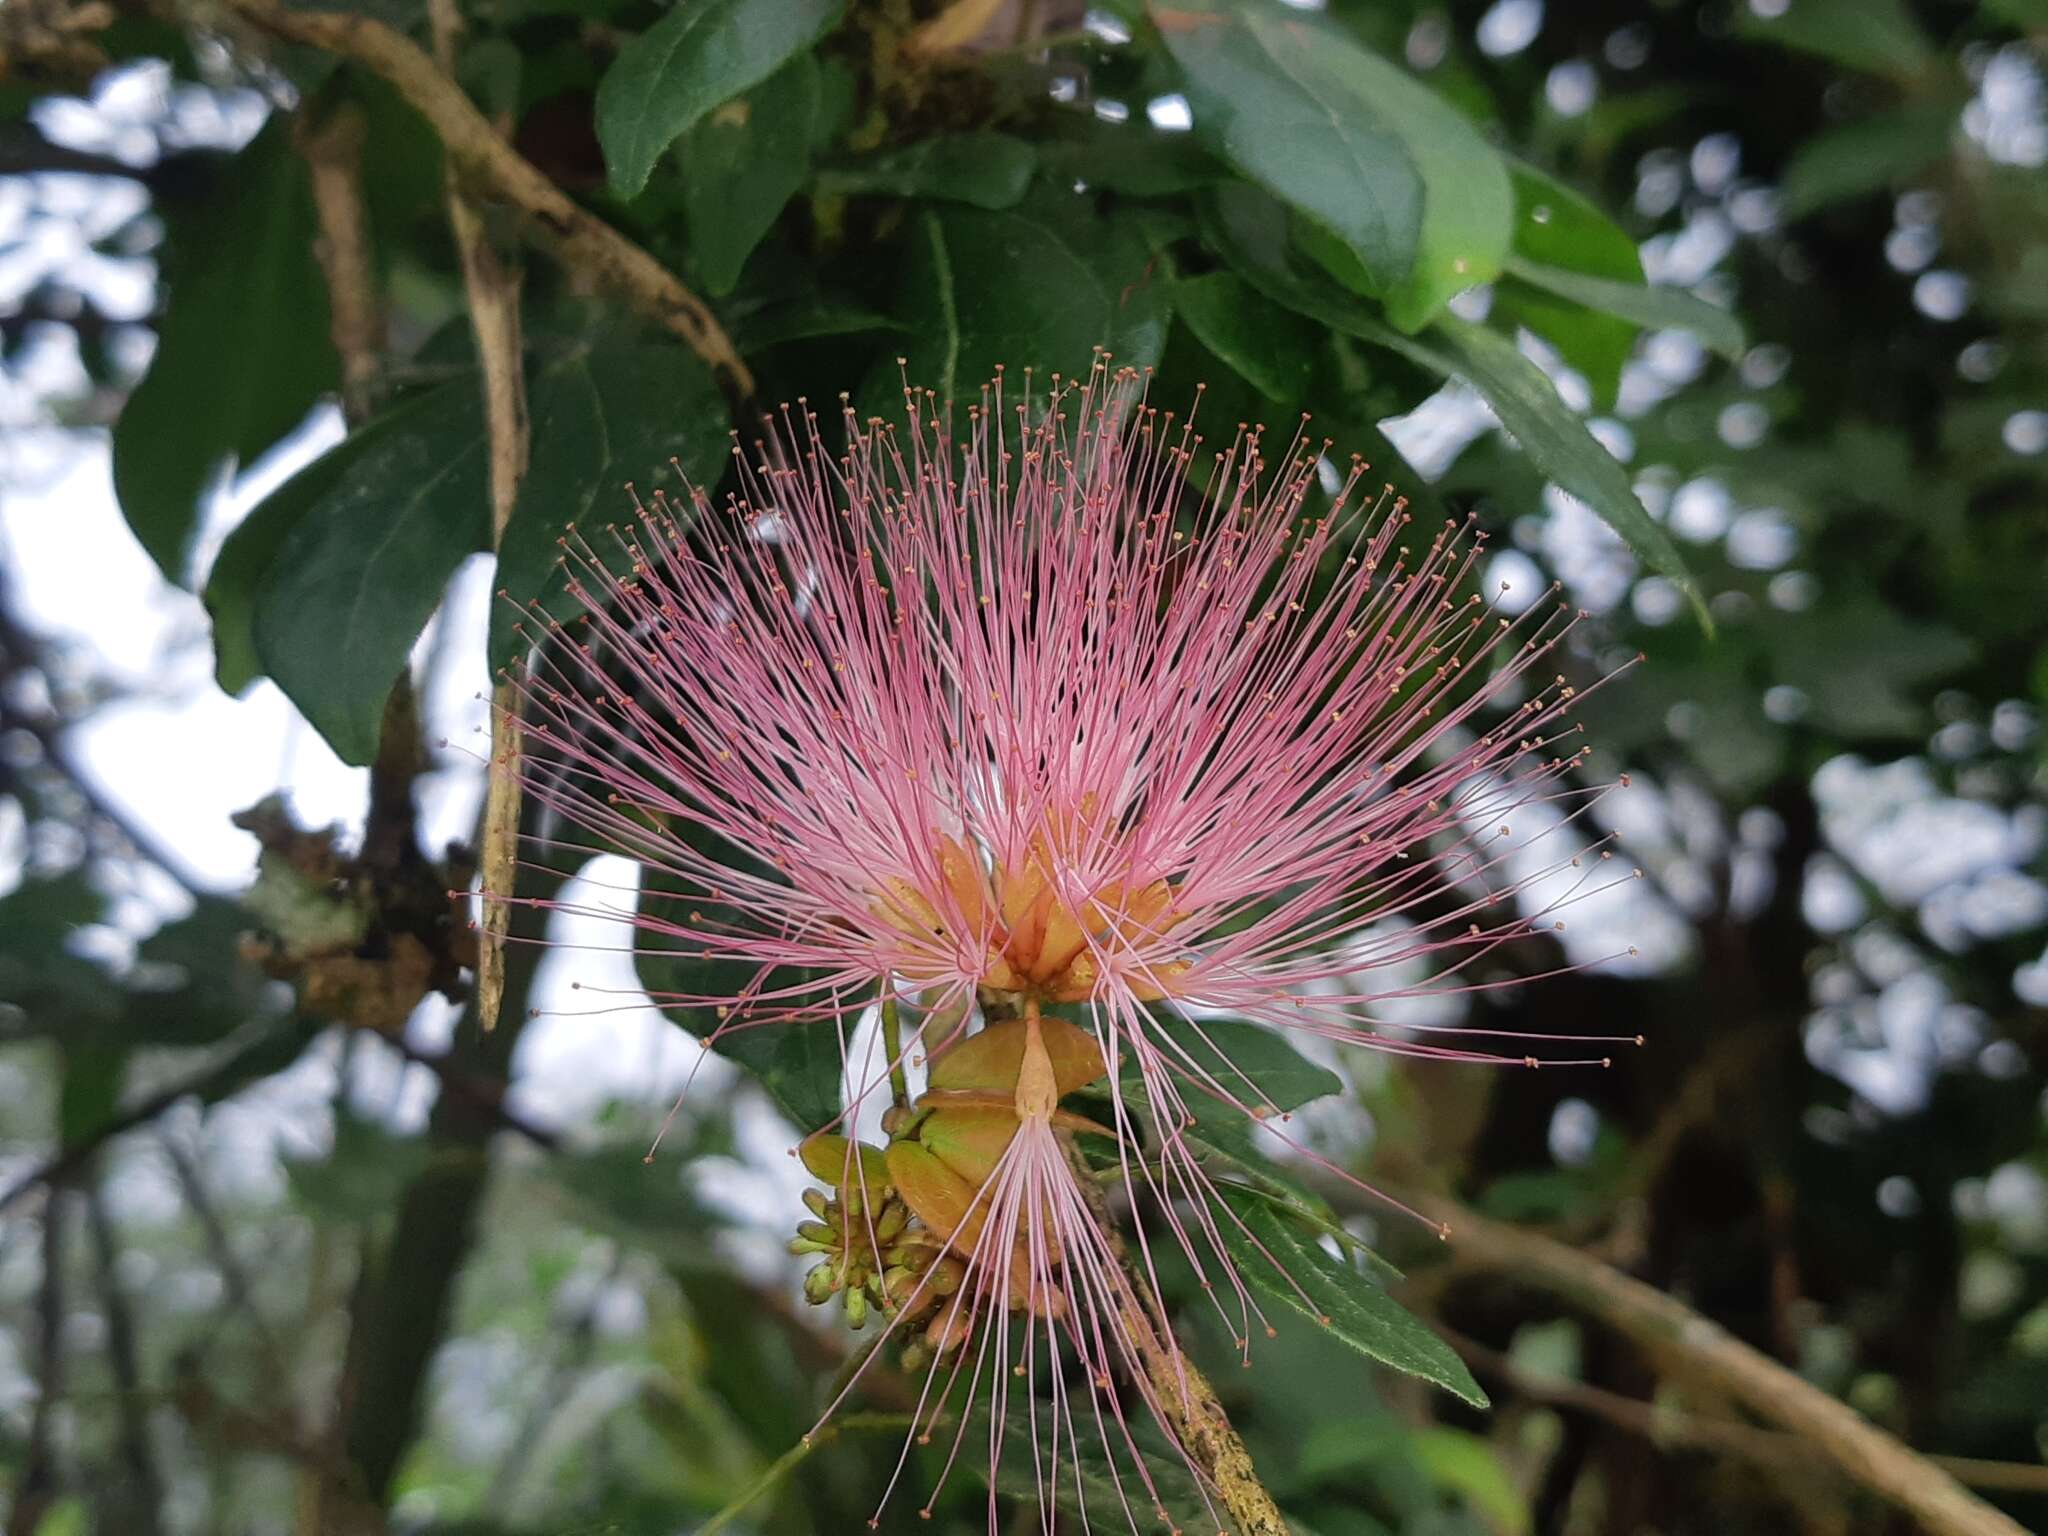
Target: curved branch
[
  {"x": 493, "y": 168},
  {"x": 1695, "y": 1348}
]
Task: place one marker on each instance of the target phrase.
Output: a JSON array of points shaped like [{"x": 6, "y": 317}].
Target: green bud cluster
[{"x": 862, "y": 1261}]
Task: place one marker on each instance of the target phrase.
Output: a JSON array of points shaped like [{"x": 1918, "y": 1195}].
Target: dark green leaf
[
  {"x": 190, "y": 984},
  {"x": 1657, "y": 308},
  {"x": 986, "y": 170},
  {"x": 1271, "y": 346},
  {"x": 806, "y": 319},
  {"x": 1355, "y": 1308},
  {"x": 700, "y": 54},
  {"x": 1039, "y": 286},
  {"x": 1556, "y": 227},
  {"x": 1097, "y": 1479},
  {"x": 1879, "y": 37},
  {"x": 245, "y": 559},
  {"x": 1864, "y": 156},
  {"x": 604, "y": 412},
  {"x": 800, "y": 1064},
  {"x": 1558, "y": 442},
  {"x": 1132, "y": 158},
  {"x": 1865, "y": 666},
  {"x": 1241, "y": 224},
  {"x": 358, "y": 578},
  {"x": 1374, "y": 157},
  {"x": 741, "y": 166},
  {"x": 239, "y": 265},
  {"x": 1247, "y": 1062}
]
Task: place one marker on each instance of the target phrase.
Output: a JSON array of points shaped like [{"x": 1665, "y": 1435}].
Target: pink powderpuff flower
[{"x": 1081, "y": 711}]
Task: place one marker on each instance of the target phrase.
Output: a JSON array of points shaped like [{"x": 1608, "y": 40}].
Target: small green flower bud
[
  {"x": 818, "y": 1285},
  {"x": 817, "y": 1232},
  {"x": 815, "y": 1199},
  {"x": 856, "y": 1309}
]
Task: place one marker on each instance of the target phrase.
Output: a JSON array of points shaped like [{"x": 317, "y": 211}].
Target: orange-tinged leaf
[
  {"x": 941, "y": 1198},
  {"x": 969, "y": 1141},
  {"x": 989, "y": 1062}
]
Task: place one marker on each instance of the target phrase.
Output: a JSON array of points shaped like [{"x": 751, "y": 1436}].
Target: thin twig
[
  {"x": 578, "y": 239},
  {"x": 68, "y": 1160},
  {"x": 36, "y": 1488},
  {"x": 144, "y": 1490},
  {"x": 491, "y": 287},
  {"x": 1695, "y": 1348},
  {"x": 1182, "y": 1391},
  {"x": 801, "y": 1452},
  {"x": 892, "y": 1051},
  {"x": 241, "y": 1290}
]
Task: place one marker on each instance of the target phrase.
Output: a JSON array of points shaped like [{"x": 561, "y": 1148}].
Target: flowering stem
[
  {"x": 1197, "y": 1418},
  {"x": 892, "y": 1049}
]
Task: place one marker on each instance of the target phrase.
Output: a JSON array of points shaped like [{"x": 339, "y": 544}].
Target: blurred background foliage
[{"x": 1729, "y": 317}]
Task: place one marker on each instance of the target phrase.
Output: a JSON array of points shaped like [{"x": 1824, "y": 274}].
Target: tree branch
[
  {"x": 1662, "y": 1425},
  {"x": 493, "y": 168},
  {"x": 331, "y": 143},
  {"x": 1695, "y": 1348},
  {"x": 491, "y": 287}
]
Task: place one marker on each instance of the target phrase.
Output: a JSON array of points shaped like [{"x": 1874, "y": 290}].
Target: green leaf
[
  {"x": 1132, "y": 158},
  {"x": 1356, "y": 1309},
  {"x": 1865, "y": 666},
  {"x": 702, "y": 53},
  {"x": 1269, "y": 345},
  {"x": 1038, "y": 286},
  {"x": 246, "y": 558},
  {"x": 1096, "y": 1480},
  {"x": 1556, "y": 227},
  {"x": 805, "y": 320},
  {"x": 1557, "y": 442},
  {"x": 984, "y": 170},
  {"x": 357, "y": 579},
  {"x": 190, "y": 985},
  {"x": 1240, "y": 223},
  {"x": 1247, "y": 1061},
  {"x": 607, "y": 411},
  {"x": 1468, "y": 1465},
  {"x": 1878, "y": 37},
  {"x": 799, "y": 1064},
  {"x": 1652, "y": 307},
  {"x": 741, "y": 166},
  {"x": 238, "y": 265},
  {"x": 1865, "y": 156},
  {"x": 1377, "y": 159}
]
